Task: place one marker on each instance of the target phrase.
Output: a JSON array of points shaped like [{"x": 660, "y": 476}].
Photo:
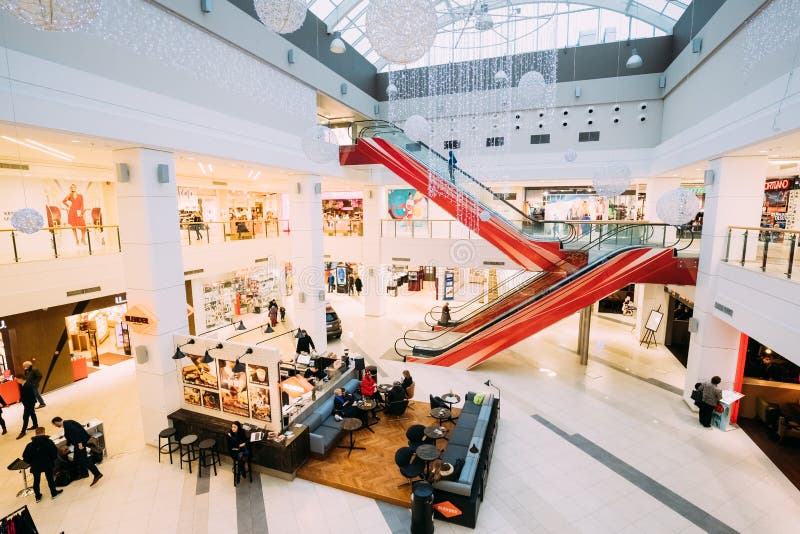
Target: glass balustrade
[
  {"x": 58, "y": 242},
  {"x": 772, "y": 251}
]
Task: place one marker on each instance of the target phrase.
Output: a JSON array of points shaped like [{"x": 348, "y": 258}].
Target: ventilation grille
[
  {"x": 495, "y": 141},
  {"x": 452, "y": 144},
  {"x": 585, "y": 137},
  {"x": 498, "y": 263},
  {"x": 217, "y": 182},
  {"x": 15, "y": 166},
  {"x": 540, "y": 139},
  {"x": 83, "y": 291},
  {"x": 261, "y": 260},
  {"x": 193, "y": 271}
]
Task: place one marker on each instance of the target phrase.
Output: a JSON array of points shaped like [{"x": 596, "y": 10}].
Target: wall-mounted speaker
[
  {"x": 318, "y": 188},
  {"x": 321, "y": 296},
  {"x": 206, "y": 6},
  {"x": 662, "y": 81},
  {"x": 694, "y": 325},
  {"x": 123, "y": 172},
  {"x": 578, "y": 91},
  {"x": 343, "y": 89},
  {"x": 299, "y": 189},
  {"x": 697, "y": 45},
  {"x": 141, "y": 354},
  {"x": 708, "y": 177},
  {"x": 162, "y": 171},
  {"x": 290, "y": 56}
]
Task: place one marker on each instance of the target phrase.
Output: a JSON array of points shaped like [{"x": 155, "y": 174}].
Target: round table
[
  {"x": 385, "y": 388},
  {"x": 450, "y": 399},
  {"x": 427, "y": 453},
  {"x": 368, "y": 407},
  {"x": 440, "y": 414},
  {"x": 350, "y": 425},
  {"x": 435, "y": 432}
]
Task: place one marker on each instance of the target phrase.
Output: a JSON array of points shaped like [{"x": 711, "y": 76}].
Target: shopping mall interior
[{"x": 354, "y": 227}]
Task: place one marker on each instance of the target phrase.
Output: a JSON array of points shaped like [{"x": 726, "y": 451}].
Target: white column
[
  {"x": 650, "y": 297},
  {"x": 305, "y": 206},
  {"x": 375, "y": 273},
  {"x": 735, "y": 198},
  {"x": 153, "y": 263}
]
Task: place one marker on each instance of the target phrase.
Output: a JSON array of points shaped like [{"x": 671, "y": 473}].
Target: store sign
[
  {"x": 142, "y": 320},
  {"x": 447, "y": 509},
  {"x": 774, "y": 185}
]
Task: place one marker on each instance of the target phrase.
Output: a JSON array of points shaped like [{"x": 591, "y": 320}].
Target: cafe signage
[{"x": 140, "y": 319}]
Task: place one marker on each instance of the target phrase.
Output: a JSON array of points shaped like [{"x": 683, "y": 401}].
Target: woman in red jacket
[{"x": 369, "y": 388}]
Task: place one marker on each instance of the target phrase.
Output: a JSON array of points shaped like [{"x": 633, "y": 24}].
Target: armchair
[{"x": 787, "y": 429}]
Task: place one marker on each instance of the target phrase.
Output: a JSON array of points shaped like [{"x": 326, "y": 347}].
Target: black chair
[
  {"x": 208, "y": 456},
  {"x": 408, "y": 468},
  {"x": 396, "y": 408},
  {"x": 237, "y": 476},
  {"x": 171, "y": 445},
  {"x": 189, "y": 452},
  {"x": 416, "y": 436},
  {"x": 437, "y": 402}
]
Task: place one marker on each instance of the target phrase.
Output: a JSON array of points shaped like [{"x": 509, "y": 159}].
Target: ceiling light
[
  {"x": 202, "y": 167},
  {"x": 484, "y": 21},
  {"x": 337, "y": 45},
  {"x": 763, "y": 151},
  {"x": 391, "y": 90},
  {"x": 210, "y": 168},
  {"x": 258, "y": 173},
  {"x": 51, "y": 149},
  {"x": 76, "y": 140},
  {"x": 55, "y": 154},
  {"x": 635, "y": 61},
  {"x": 250, "y": 174},
  {"x": 784, "y": 161}
]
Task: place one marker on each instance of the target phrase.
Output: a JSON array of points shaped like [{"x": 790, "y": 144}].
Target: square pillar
[{"x": 376, "y": 275}]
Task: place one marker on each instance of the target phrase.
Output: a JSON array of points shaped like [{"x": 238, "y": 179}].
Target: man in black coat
[
  {"x": 28, "y": 399},
  {"x": 34, "y": 377},
  {"x": 41, "y": 455},
  {"x": 77, "y": 436},
  {"x": 305, "y": 343}
]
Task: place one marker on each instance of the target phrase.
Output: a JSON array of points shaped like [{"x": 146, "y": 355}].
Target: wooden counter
[{"x": 285, "y": 458}]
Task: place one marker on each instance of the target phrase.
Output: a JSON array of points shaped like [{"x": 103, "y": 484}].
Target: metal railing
[
  {"x": 204, "y": 233},
  {"x": 769, "y": 249},
  {"x": 343, "y": 228},
  {"x": 58, "y": 242}
]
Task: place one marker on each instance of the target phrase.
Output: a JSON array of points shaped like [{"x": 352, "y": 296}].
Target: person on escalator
[
  {"x": 444, "y": 319},
  {"x": 451, "y": 165}
]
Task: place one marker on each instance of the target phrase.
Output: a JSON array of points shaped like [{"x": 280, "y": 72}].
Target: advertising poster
[
  {"x": 407, "y": 204},
  {"x": 210, "y": 400},
  {"x": 199, "y": 373},
  {"x": 191, "y": 395},
  {"x": 259, "y": 403},
  {"x": 257, "y": 374},
  {"x": 233, "y": 390}
]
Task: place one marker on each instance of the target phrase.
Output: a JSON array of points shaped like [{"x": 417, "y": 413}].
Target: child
[{"x": 282, "y": 311}]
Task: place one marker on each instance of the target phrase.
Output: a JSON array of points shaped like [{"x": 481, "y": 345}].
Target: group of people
[
  {"x": 274, "y": 310},
  {"x": 706, "y": 396},
  {"x": 354, "y": 284},
  {"x": 344, "y": 403}
]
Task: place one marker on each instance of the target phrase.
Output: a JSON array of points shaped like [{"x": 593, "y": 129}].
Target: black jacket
[
  {"x": 305, "y": 344},
  {"x": 3, "y": 403},
  {"x": 26, "y": 395},
  {"x": 33, "y": 375},
  {"x": 40, "y": 454},
  {"x": 74, "y": 433}
]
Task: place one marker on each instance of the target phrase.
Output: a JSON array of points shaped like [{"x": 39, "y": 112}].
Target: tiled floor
[{"x": 540, "y": 480}]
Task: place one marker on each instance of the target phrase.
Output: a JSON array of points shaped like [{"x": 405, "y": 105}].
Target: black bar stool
[
  {"x": 208, "y": 456},
  {"x": 237, "y": 475},
  {"x": 171, "y": 445},
  {"x": 188, "y": 450}
]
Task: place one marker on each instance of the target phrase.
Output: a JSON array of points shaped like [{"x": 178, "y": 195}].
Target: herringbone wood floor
[{"x": 372, "y": 472}]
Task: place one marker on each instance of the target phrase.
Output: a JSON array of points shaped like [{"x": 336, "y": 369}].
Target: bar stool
[
  {"x": 236, "y": 474},
  {"x": 208, "y": 452},
  {"x": 188, "y": 446},
  {"x": 20, "y": 465},
  {"x": 171, "y": 445}
]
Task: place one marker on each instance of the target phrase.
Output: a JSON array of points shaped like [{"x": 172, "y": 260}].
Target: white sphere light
[
  {"x": 532, "y": 87},
  {"x": 391, "y": 90},
  {"x": 570, "y": 155},
  {"x": 27, "y": 221},
  {"x": 281, "y": 16},
  {"x": 320, "y": 144},
  {"x": 611, "y": 180},
  {"x": 55, "y": 15},
  {"x": 677, "y": 206},
  {"x": 484, "y": 215},
  {"x": 401, "y": 31},
  {"x": 417, "y": 128}
]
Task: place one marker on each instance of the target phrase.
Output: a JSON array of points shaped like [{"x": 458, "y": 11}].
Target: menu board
[
  {"x": 199, "y": 373},
  {"x": 259, "y": 403},
  {"x": 233, "y": 390}
]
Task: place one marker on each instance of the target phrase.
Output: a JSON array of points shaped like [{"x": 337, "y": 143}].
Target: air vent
[
  {"x": 15, "y": 166},
  {"x": 453, "y": 144},
  {"x": 217, "y": 182},
  {"x": 83, "y": 291},
  {"x": 585, "y": 137},
  {"x": 193, "y": 271},
  {"x": 495, "y": 141},
  {"x": 261, "y": 260},
  {"x": 401, "y": 259},
  {"x": 498, "y": 263},
  {"x": 724, "y": 309},
  {"x": 540, "y": 139}
]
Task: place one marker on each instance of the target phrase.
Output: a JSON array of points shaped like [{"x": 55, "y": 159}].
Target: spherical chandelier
[
  {"x": 570, "y": 155},
  {"x": 532, "y": 88},
  {"x": 417, "y": 128},
  {"x": 401, "y": 31},
  {"x": 55, "y": 15},
  {"x": 677, "y": 206},
  {"x": 281, "y": 16},
  {"x": 320, "y": 145},
  {"x": 611, "y": 180},
  {"x": 27, "y": 221}
]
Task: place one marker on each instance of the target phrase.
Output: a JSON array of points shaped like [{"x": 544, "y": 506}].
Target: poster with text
[
  {"x": 259, "y": 403},
  {"x": 257, "y": 374},
  {"x": 233, "y": 390},
  {"x": 407, "y": 204},
  {"x": 200, "y": 374}
]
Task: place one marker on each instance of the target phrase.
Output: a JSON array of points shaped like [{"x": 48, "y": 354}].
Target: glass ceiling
[{"x": 518, "y": 26}]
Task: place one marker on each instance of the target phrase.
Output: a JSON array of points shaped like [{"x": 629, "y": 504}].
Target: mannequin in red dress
[{"x": 74, "y": 201}]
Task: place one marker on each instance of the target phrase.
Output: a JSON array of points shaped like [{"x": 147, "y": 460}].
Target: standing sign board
[{"x": 449, "y": 286}]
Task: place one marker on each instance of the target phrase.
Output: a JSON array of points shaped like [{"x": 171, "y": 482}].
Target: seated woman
[
  {"x": 313, "y": 374},
  {"x": 408, "y": 384},
  {"x": 237, "y": 448},
  {"x": 369, "y": 387}
]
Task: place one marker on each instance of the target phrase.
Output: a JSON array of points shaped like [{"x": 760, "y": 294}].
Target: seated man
[
  {"x": 314, "y": 374},
  {"x": 344, "y": 405}
]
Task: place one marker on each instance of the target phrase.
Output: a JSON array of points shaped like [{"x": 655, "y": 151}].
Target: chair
[
  {"x": 767, "y": 412},
  {"x": 410, "y": 390},
  {"x": 416, "y": 436},
  {"x": 171, "y": 445},
  {"x": 437, "y": 402},
  {"x": 409, "y": 468},
  {"x": 188, "y": 445},
  {"x": 787, "y": 429},
  {"x": 208, "y": 456},
  {"x": 236, "y": 474},
  {"x": 396, "y": 408}
]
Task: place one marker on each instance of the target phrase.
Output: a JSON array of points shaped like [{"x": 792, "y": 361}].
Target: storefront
[
  {"x": 93, "y": 335},
  {"x": 781, "y": 206},
  {"x": 343, "y": 213},
  {"x": 581, "y": 203},
  {"x": 230, "y": 206}
]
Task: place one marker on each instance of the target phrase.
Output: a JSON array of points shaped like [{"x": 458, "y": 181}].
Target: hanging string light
[
  {"x": 55, "y": 15},
  {"x": 281, "y": 16}
]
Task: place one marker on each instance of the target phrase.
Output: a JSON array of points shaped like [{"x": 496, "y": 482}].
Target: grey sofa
[
  {"x": 476, "y": 425},
  {"x": 324, "y": 430}
]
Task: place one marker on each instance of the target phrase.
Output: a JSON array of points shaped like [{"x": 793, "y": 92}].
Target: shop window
[{"x": 765, "y": 364}]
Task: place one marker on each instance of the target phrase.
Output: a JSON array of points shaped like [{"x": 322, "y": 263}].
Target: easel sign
[{"x": 651, "y": 326}]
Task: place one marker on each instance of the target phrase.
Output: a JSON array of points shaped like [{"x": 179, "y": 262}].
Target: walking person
[
  {"x": 197, "y": 225},
  {"x": 3, "y": 404},
  {"x": 304, "y": 343},
  {"x": 77, "y": 436},
  {"x": 28, "y": 400},
  {"x": 712, "y": 394},
  {"x": 282, "y": 311},
  {"x": 359, "y": 285},
  {"x": 273, "y": 314},
  {"x": 34, "y": 376},
  {"x": 331, "y": 283},
  {"x": 41, "y": 454},
  {"x": 350, "y": 284},
  {"x": 451, "y": 165}
]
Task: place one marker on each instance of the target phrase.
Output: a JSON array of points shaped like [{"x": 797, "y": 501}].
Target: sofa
[
  {"x": 476, "y": 425},
  {"x": 324, "y": 430}
]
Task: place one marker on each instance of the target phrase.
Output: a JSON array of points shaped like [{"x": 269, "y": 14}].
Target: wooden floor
[{"x": 372, "y": 472}]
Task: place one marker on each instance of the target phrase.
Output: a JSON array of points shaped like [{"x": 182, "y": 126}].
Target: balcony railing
[
  {"x": 58, "y": 242},
  {"x": 204, "y": 233},
  {"x": 770, "y": 250}
]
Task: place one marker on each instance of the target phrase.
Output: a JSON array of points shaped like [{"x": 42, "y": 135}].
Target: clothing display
[{"x": 18, "y": 522}]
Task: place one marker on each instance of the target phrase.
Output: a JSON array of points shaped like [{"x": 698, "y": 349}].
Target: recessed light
[
  {"x": 675, "y": 175},
  {"x": 763, "y": 151},
  {"x": 76, "y": 140}
]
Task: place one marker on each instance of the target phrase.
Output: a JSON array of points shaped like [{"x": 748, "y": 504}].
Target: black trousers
[
  {"x": 706, "y": 411},
  {"x": 84, "y": 461},
  {"x": 28, "y": 412},
  {"x": 37, "y": 478}
]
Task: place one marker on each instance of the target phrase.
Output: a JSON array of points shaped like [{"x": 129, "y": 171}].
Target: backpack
[{"x": 697, "y": 393}]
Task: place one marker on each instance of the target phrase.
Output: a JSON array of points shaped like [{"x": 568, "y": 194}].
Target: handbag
[
  {"x": 719, "y": 408},
  {"x": 697, "y": 395}
]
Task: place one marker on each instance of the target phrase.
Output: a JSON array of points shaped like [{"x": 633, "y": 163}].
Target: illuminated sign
[
  {"x": 141, "y": 320},
  {"x": 773, "y": 185}
]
